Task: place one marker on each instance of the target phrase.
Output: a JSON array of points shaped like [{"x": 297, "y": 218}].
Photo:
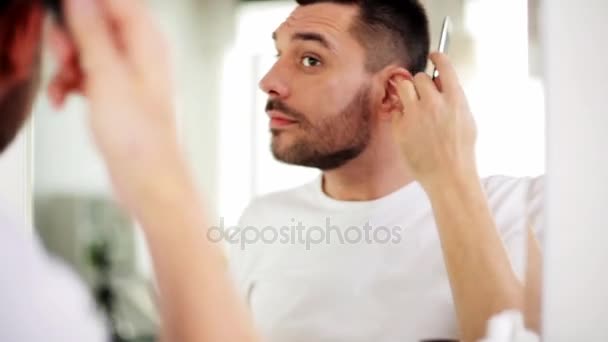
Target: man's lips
[{"x": 279, "y": 120}]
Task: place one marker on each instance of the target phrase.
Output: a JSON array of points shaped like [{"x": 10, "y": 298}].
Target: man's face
[{"x": 319, "y": 90}]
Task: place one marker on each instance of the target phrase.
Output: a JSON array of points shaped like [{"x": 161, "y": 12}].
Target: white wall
[
  {"x": 200, "y": 32},
  {"x": 576, "y": 259},
  {"x": 66, "y": 161},
  {"x": 15, "y": 179}
]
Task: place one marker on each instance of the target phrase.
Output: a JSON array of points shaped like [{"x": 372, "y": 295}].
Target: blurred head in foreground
[{"x": 20, "y": 38}]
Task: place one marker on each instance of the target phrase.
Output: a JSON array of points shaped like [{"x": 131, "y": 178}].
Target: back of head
[
  {"x": 20, "y": 31},
  {"x": 391, "y": 31}
]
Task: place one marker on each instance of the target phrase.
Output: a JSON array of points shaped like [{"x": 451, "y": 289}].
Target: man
[
  {"x": 408, "y": 243},
  {"x": 126, "y": 78}
]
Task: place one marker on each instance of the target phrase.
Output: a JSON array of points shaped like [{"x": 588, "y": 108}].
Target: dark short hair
[{"x": 391, "y": 31}]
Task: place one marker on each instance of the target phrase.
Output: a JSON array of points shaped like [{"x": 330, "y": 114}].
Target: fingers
[
  {"x": 136, "y": 26},
  {"x": 407, "y": 92},
  {"x": 411, "y": 92},
  {"x": 61, "y": 46},
  {"x": 91, "y": 30},
  {"x": 117, "y": 40},
  {"x": 448, "y": 79},
  {"x": 437, "y": 81},
  {"x": 69, "y": 78},
  {"x": 425, "y": 86},
  {"x": 424, "y": 89}
]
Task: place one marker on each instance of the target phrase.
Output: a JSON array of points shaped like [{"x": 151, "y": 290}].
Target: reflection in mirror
[{"x": 496, "y": 63}]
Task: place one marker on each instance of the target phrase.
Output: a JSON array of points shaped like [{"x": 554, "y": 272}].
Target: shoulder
[{"x": 32, "y": 282}]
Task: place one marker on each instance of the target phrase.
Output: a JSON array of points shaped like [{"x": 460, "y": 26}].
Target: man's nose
[{"x": 274, "y": 83}]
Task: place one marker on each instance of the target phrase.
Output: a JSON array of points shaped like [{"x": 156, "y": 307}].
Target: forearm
[
  {"x": 533, "y": 283},
  {"x": 197, "y": 297},
  {"x": 481, "y": 276}
]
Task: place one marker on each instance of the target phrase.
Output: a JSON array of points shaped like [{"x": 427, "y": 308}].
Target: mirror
[{"x": 495, "y": 48}]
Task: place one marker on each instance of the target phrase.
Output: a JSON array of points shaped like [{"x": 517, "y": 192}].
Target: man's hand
[
  {"x": 437, "y": 135},
  {"x": 118, "y": 59},
  {"x": 436, "y": 130},
  {"x": 121, "y": 65}
]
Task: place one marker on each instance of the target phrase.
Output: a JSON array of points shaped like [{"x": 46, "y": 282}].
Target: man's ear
[{"x": 391, "y": 103}]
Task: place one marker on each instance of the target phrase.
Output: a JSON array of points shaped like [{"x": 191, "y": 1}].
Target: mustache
[{"x": 282, "y": 107}]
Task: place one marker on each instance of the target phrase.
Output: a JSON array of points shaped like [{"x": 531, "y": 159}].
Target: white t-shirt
[
  {"x": 360, "y": 271},
  {"x": 41, "y": 300}
]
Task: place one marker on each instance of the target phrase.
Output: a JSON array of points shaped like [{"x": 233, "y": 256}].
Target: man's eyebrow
[{"x": 308, "y": 36}]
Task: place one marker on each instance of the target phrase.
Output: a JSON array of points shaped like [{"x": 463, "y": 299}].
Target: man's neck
[{"x": 377, "y": 172}]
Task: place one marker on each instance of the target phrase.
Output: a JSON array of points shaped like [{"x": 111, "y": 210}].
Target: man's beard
[
  {"x": 15, "y": 108},
  {"x": 330, "y": 143}
]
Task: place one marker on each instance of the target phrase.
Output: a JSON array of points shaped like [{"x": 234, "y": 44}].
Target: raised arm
[
  {"x": 437, "y": 134},
  {"x": 127, "y": 82}
]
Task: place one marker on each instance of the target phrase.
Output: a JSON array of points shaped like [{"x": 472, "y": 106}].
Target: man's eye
[{"x": 310, "y": 61}]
